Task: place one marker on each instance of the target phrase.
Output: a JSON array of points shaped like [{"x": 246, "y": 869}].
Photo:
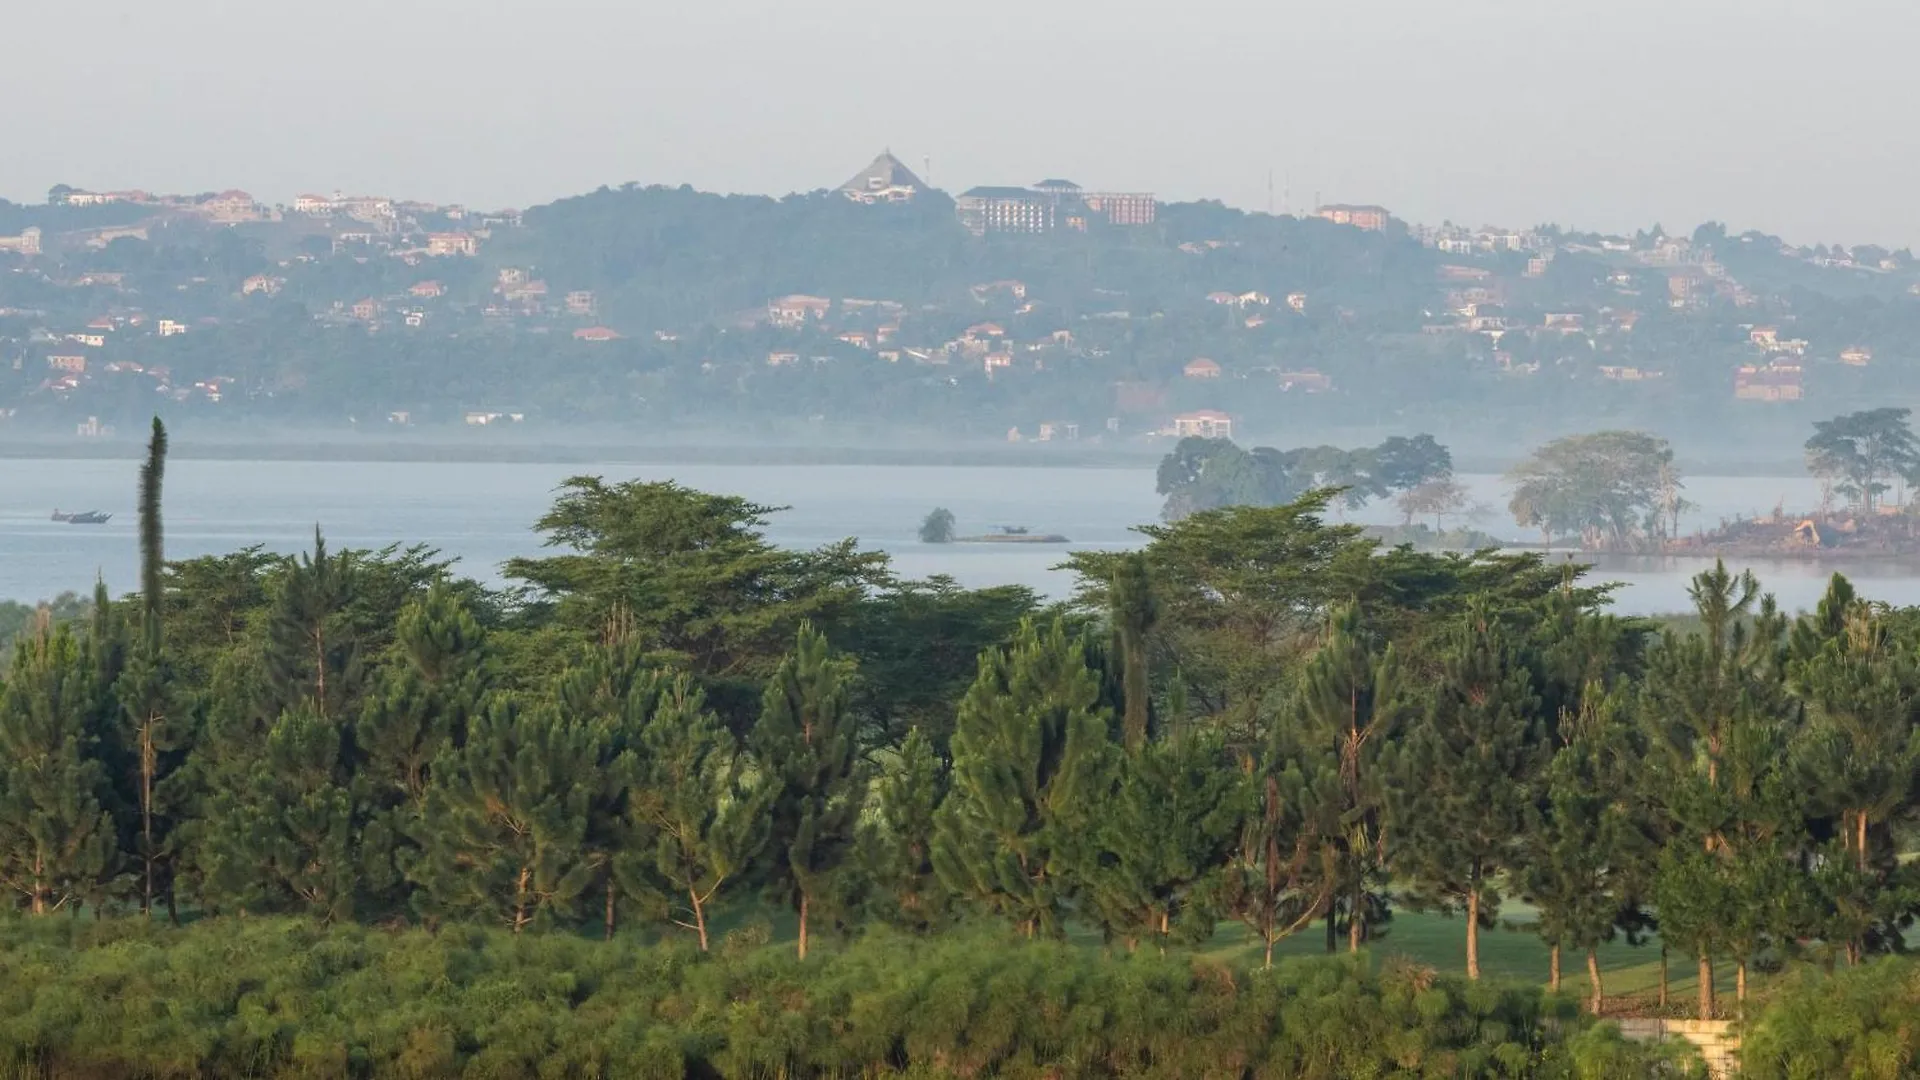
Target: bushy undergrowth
[
  {"x": 279, "y": 998},
  {"x": 1862, "y": 1023}
]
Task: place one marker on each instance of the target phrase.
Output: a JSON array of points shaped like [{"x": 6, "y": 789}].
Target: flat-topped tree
[{"x": 1861, "y": 452}]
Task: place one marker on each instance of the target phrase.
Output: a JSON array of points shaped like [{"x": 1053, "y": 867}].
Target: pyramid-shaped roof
[{"x": 885, "y": 172}]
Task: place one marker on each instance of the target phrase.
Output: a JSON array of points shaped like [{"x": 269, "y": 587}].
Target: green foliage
[
  {"x": 1862, "y": 1023},
  {"x": 896, "y": 840},
  {"x": 698, "y": 810},
  {"x": 1150, "y": 865},
  {"x": 1032, "y": 759},
  {"x": 1211, "y": 474},
  {"x": 1468, "y": 770},
  {"x": 805, "y": 741},
  {"x": 57, "y": 842},
  {"x": 1608, "y": 489},
  {"x": 281, "y": 999},
  {"x": 689, "y": 575},
  {"x": 502, "y": 839},
  {"x": 937, "y": 528},
  {"x": 1860, "y": 452}
]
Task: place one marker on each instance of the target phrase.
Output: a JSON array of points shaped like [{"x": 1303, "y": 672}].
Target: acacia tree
[
  {"x": 1032, "y": 756},
  {"x": 1601, "y": 488},
  {"x": 805, "y": 740},
  {"x": 1861, "y": 451},
  {"x": 1466, "y": 774}
]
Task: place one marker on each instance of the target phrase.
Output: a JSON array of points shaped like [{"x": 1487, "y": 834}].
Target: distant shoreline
[
  {"x": 456, "y": 452},
  {"x": 568, "y": 454}
]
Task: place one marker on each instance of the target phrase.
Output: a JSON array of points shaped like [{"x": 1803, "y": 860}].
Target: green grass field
[{"x": 1630, "y": 973}]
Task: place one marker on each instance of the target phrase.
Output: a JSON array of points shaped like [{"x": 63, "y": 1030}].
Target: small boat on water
[
  {"x": 1014, "y": 534},
  {"x": 83, "y": 517}
]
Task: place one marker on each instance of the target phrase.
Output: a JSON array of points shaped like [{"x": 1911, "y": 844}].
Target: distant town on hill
[{"x": 1039, "y": 314}]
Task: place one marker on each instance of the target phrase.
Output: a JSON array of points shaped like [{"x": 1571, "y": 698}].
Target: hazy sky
[{"x": 1789, "y": 117}]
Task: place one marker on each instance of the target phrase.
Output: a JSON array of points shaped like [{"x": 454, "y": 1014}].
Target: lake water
[{"x": 483, "y": 513}]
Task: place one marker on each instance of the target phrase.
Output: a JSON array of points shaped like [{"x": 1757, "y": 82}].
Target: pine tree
[
  {"x": 1032, "y": 756},
  {"x": 896, "y": 842},
  {"x": 57, "y": 842},
  {"x": 1284, "y": 874},
  {"x": 1587, "y": 853},
  {"x": 154, "y": 738},
  {"x": 1347, "y": 715},
  {"x": 1466, "y": 776},
  {"x": 290, "y": 838},
  {"x": 697, "y": 810},
  {"x": 612, "y": 688},
  {"x": 1856, "y": 758},
  {"x": 805, "y": 740},
  {"x": 1717, "y": 720},
  {"x": 503, "y": 837},
  {"x": 1133, "y": 612},
  {"x": 1151, "y": 866},
  {"x": 423, "y": 699},
  {"x": 312, "y": 658}
]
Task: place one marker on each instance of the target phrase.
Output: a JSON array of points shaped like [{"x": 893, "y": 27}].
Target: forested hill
[
  {"x": 666, "y": 254},
  {"x": 665, "y": 310}
]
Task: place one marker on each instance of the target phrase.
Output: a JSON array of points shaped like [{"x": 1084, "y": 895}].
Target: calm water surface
[{"x": 483, "y": 513}]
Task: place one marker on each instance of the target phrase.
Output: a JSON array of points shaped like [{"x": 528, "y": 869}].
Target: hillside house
[
  {"x": 595, "y": 333},
  {"x": 1305, "y": 381},
  {"x": 1370, "y": 218},
  {"x": 440, "y": 245},
  {"x": 1856, "y": 356},
  {"x": 797, "y": 310},
  {"x": 1201, "y": 368},
  {"x": 1203, "y": 423},
  {"x": 1768, "y": 382},
  {"x": 427, "y": 290}
]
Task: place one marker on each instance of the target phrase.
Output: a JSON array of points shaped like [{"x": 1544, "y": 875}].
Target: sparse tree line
[{"x": 1259, "y": 718}]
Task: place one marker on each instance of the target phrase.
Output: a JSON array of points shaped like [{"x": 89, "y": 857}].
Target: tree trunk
[
  {"x": 1706, "y": 986},
  {"x": 1740, "y": 984},
  {"x": 803, "y": 926},
  {"x": 1473, "y": 937},
  {"x": 699, "y": 917},
  {"x": 609, "y": 908},
  {"x": 39, "y": 887},
  {"x": 520, "y": 900},
  {"x": 1593, "y": 976},
  {"x": 1860, "y": 845},
  {"x": 1553, "y": 969},
  {"x": 1663, "y": 975},
  {"x": 147, "y": 766},
  {"x": 1267, "y": 964},
  {"x": 1355, "y": 925},
  {"x": 1333, "y": 930}
]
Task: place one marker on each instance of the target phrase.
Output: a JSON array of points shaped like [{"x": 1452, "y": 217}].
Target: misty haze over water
[{"x": 483, "y": 514}]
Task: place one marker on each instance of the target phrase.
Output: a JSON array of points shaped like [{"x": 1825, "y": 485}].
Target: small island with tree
[
  {"x": 1620, "y": 491},
  {"x": 938, "y": 527}
]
